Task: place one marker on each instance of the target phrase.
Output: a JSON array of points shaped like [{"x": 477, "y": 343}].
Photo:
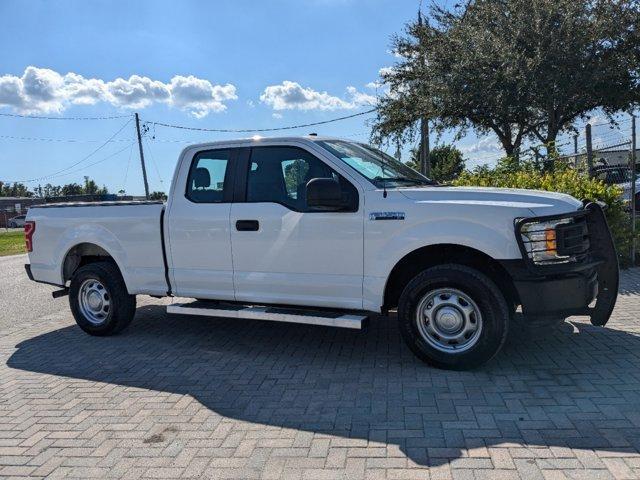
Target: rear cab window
[{"x": 208, "y": 180}]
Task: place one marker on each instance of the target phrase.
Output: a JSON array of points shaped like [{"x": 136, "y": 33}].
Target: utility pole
[
  {"x": 575, "y": 150},
  {"x": 633, "y": 189},
  {"x": 589, "y": 148},
  {"x": 425, "y": 164},
  {"x": 144, "y": 169}
]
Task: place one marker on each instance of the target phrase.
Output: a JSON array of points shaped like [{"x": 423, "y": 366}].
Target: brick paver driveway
[{"x": 190, "y": 397}]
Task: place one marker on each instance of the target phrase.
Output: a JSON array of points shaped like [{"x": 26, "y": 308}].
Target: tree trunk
[{"x": 550, "y": 142}]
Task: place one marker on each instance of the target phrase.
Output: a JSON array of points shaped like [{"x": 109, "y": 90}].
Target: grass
[{"x": 11, "y": 243}]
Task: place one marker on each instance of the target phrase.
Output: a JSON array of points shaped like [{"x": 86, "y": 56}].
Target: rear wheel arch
[
  {"x": 83, "y": 254},
  {"x": 432, "y": 255}
]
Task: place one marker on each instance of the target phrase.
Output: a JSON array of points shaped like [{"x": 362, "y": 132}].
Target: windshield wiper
[{"x": 403, "y": 180}]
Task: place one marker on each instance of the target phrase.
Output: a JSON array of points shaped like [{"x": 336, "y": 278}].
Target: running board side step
[{"x": 273, "y": 314}]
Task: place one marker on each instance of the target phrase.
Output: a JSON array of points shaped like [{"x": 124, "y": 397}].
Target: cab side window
[
  {"x": 281, "y": 174},
  {"x": 206, "y": 182}
]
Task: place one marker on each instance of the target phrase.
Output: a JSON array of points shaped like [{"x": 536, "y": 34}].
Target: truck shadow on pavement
[{"x": 577, "y": 386}]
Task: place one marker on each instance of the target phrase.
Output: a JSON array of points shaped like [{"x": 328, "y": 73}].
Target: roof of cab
[{"x": 259, "y": 140}]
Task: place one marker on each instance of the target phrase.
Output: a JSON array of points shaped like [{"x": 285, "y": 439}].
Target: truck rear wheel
[
  {"x": 453, "y": 317},
  {"x": 99, "y": 299}
]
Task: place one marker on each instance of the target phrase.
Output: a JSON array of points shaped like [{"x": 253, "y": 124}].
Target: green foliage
[
  {"x": 295, "y": 171},
  {"x": 158, "y": 196},
  {"x": 72, "y": 189},
  {"x": 562, "y": 179},
  {"x": 522, "y": 69},
  {"x": 90, "y": 187},
  {"x": 11, "y": 243},
  {"x": 48, "y": 191},
  {"x": 14, "y": 190},
  {"x": 446, "y": 161}
]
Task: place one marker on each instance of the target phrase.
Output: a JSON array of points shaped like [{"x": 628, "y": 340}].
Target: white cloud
[
  {"x": 292, "y": 96},
  {"x": 379, "y": 85},
  {"x": 386, "y": 71},
  {"x": 360, "y": 98},
  {"x": 276, "y": 115},
  {"x": 484, "y": 145},
  {"x": 200, "y": 96},
  {"x": 41, "y": 90}
]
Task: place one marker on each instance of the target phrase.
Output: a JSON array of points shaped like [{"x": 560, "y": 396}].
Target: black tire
[
  {"x": 121, "y": 308},
  {"x": 491, "y": 304}
]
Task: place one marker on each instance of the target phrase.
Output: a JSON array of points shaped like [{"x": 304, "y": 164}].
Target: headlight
[{"x": 540, "y": 241}]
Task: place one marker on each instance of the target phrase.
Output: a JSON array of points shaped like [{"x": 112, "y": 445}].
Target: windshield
[{"x": 381, "y": 169}]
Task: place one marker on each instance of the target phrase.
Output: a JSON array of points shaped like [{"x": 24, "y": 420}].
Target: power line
[
  {"x": 126, "y": 172},
  {"x": 76, "y": 163},
  {"x": 256, "y": 130},
  {"x": 153, "y": 160},
  {"x": 58, "y": 140},
  {"x": 104, "y": 159},
  {"x": 38, "y": 117},
  {"x": 612, "y": 124}
]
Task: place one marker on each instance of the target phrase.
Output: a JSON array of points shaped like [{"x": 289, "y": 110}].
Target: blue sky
[
  {"x": 216, "y": 64},
  {"x": 321, "y": 45}
]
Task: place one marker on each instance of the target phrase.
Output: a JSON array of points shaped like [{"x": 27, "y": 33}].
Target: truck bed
[
  {"x": 98, "y": 204},
  {"x": 130, "y": 231}
]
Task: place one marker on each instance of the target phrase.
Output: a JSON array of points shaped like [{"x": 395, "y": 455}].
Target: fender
[
  {"x": 496, "y": 243},
  {"x": 383, "y": 253},
  {"x": 94, "y": 234}
]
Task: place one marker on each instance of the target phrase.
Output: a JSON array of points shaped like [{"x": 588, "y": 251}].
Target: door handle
[{"x": 247, "y": 225}]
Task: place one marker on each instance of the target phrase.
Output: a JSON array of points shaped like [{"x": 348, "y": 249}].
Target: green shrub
[{"x": 559, "y": 179}]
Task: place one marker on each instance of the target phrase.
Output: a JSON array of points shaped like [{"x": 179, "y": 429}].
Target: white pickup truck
[{"x": 327, "y": 231}]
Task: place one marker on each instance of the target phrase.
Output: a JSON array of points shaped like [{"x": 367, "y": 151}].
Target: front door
[
  {"x": 198, "y": 228},
  {"x": 286, "y": 253}
]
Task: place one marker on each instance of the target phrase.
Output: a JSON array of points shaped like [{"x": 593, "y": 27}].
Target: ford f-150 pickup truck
[{"x": 326, "y": 231}]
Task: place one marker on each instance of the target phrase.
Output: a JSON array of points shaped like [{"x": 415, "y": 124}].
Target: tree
[
  {"x": 157, "y": 196},
  {"x": 91, "y": 188},
  {"x": 447, "y": 162},
  {"x": 522, "y": 69},
  {"x": 71, "y": 189},
  {"x": 14, "y": 190},
  {"x": 48, "y": 191}
]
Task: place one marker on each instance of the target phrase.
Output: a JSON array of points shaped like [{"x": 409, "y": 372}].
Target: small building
[
  {"x": 13, "y": 206},
  {"x": 614, "y": 157}
]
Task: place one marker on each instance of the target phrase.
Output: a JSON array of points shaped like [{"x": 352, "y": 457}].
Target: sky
[{"x": 229, "y": 64}]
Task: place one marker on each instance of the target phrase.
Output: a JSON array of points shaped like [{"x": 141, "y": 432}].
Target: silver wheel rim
[
  {"x": 449, "y": 320},
  {"x": 94, "y": 301}
]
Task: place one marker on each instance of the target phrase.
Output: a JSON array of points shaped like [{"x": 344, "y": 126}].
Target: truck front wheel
[
  {"x": 99, "y": 299},
  {"x": 453, "y": 317}
]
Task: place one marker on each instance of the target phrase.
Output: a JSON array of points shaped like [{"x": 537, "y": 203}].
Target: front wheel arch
[{"x": 433, "y": 255}]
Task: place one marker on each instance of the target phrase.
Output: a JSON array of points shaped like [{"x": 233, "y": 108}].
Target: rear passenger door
[
  {"x": 284, "y": 252},
  {"x": 198, "y": 227}
]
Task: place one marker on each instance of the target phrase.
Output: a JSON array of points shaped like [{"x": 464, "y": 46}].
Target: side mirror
[{"x": 324, "y": 194}]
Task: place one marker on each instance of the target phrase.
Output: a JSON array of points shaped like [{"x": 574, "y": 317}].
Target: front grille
[{"x": 572, "y": 239}]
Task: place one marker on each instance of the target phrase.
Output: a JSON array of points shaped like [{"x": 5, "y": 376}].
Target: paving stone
[{"x": 182, "y": 397}]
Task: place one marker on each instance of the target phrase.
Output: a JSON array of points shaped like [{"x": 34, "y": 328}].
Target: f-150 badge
[{"x": 386, "y": 216}]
